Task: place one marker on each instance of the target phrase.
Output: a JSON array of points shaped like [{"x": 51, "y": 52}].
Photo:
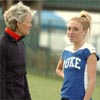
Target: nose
[
  {"x": 31, "y": 25},
  {"x": 70, "y": 32}
]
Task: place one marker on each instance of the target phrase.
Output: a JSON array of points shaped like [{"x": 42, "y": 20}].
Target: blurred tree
[{"x": 75, "y": 5}]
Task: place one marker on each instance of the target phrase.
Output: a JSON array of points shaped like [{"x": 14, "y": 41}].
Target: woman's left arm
[{"x": 91, "y": 68}]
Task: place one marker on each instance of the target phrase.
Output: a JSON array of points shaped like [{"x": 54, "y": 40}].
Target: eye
[
  {"x": 69, "y": 28},
  {"x": 72, "y": 28},
  {"x": 75, "y": 29}
]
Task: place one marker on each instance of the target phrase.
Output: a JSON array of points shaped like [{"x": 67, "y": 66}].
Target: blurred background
[{"x": 48, "y": 38}]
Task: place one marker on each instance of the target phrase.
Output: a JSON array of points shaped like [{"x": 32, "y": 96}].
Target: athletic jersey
[{"x": 75, "y": 71}]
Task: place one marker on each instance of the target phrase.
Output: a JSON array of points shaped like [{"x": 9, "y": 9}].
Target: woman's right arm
[{"x": 59, "y": 69}]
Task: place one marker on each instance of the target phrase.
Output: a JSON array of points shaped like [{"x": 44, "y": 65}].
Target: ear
[
  {"x": 18, "y": 24},
  {"x": 86, "y": 31}
]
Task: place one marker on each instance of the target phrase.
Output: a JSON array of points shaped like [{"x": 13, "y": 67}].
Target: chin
[
  {"x": 27, "y": 34},
  {"x": 71, "y": 41}
]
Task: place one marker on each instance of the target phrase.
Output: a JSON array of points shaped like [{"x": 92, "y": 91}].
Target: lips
[{"x": 71, "y": 38}]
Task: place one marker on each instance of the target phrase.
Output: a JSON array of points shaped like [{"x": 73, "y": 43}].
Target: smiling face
[
  {"x": 25, "y": 26},
  {"x": 75, "y": 31}
]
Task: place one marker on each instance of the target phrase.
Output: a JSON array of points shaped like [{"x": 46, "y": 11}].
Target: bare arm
[
  {"x": 91, "y": 67},
  {"x": 59, "y": 69}
]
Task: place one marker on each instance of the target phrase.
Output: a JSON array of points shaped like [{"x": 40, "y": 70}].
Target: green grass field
[{"x": 45, "y": 88}]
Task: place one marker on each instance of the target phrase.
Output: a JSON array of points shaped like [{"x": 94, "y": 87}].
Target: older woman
[{"x": 13, "y": 81}]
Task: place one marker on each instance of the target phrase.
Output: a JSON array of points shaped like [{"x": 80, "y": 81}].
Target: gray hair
[{"x": 16, "y": 13}]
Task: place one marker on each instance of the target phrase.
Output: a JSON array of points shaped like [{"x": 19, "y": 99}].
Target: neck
[
  {"x": 78, "y": 45},
  {"x": 18, "y": 32}
]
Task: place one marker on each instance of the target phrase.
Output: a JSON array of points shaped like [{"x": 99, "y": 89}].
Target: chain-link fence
[{"x": 43, "y": 47}]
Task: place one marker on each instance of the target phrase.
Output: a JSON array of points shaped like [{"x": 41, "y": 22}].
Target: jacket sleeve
[{"x": 2, "y": 72}]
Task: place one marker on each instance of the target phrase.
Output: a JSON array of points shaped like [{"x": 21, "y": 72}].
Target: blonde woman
[
  {"x": 13, "y": 81},
  {"x": 77, "y": 64}
]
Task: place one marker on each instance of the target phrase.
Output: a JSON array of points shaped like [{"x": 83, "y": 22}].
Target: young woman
[
  {"x": 77, "y": 64},
  {"x": 13, "y": 80}
]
